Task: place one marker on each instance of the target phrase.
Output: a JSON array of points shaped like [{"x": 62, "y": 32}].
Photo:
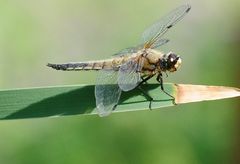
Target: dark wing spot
[
  {"x": 189, "y": 7},
  {"x": 169, "y": 26}
]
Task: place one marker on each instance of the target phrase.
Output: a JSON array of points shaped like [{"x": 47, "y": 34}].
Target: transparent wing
[
  {"x": 154, "y": 32},
  {"x": 129, "y": 74},
  {"x": 129, "y": 50},
  {"x": 159, "y": 43},
  {"x": 107, "y": 92}
]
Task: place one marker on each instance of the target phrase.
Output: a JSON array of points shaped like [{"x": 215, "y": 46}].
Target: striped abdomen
[{"x": 90, "y": 65}]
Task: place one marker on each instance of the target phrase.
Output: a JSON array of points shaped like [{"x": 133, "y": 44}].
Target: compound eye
[{"x": 172, "y": 57}]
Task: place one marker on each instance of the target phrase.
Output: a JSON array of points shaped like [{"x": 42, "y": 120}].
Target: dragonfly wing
[
  {"x": 107, "y": 92},
  {"x": 159, "y": 43},
  {"x": 129, "y": 50},
  {"x": 154, "y": 32},
  {"x": 129, "y": 74}
]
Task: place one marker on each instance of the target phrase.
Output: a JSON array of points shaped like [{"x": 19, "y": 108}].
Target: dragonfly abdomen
[{"x": 94, "y": 65}]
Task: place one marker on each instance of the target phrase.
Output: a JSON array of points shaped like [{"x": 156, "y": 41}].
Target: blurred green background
[{"x": 33, "y": 33}]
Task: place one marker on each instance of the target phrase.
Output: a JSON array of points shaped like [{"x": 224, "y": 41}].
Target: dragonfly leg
[
  {"x": 148, "y": 97},
  {"x": 145, "y": 80},
  {"x": 160, "y": 80}
]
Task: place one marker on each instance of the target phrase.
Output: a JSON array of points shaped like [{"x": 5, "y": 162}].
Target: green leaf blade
[{"x": 79, "y": 99}]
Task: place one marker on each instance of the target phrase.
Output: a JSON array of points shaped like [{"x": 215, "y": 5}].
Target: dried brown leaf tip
[{"x": 193, "y": 93}]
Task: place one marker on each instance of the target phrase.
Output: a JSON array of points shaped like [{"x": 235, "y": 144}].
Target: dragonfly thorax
[{"x": 170, "y": 62}]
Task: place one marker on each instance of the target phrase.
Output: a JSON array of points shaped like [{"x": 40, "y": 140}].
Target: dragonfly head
[{"x": 172, "y": 62}]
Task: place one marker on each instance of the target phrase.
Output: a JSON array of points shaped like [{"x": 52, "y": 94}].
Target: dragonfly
[{"x": 133, "y": 66}]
